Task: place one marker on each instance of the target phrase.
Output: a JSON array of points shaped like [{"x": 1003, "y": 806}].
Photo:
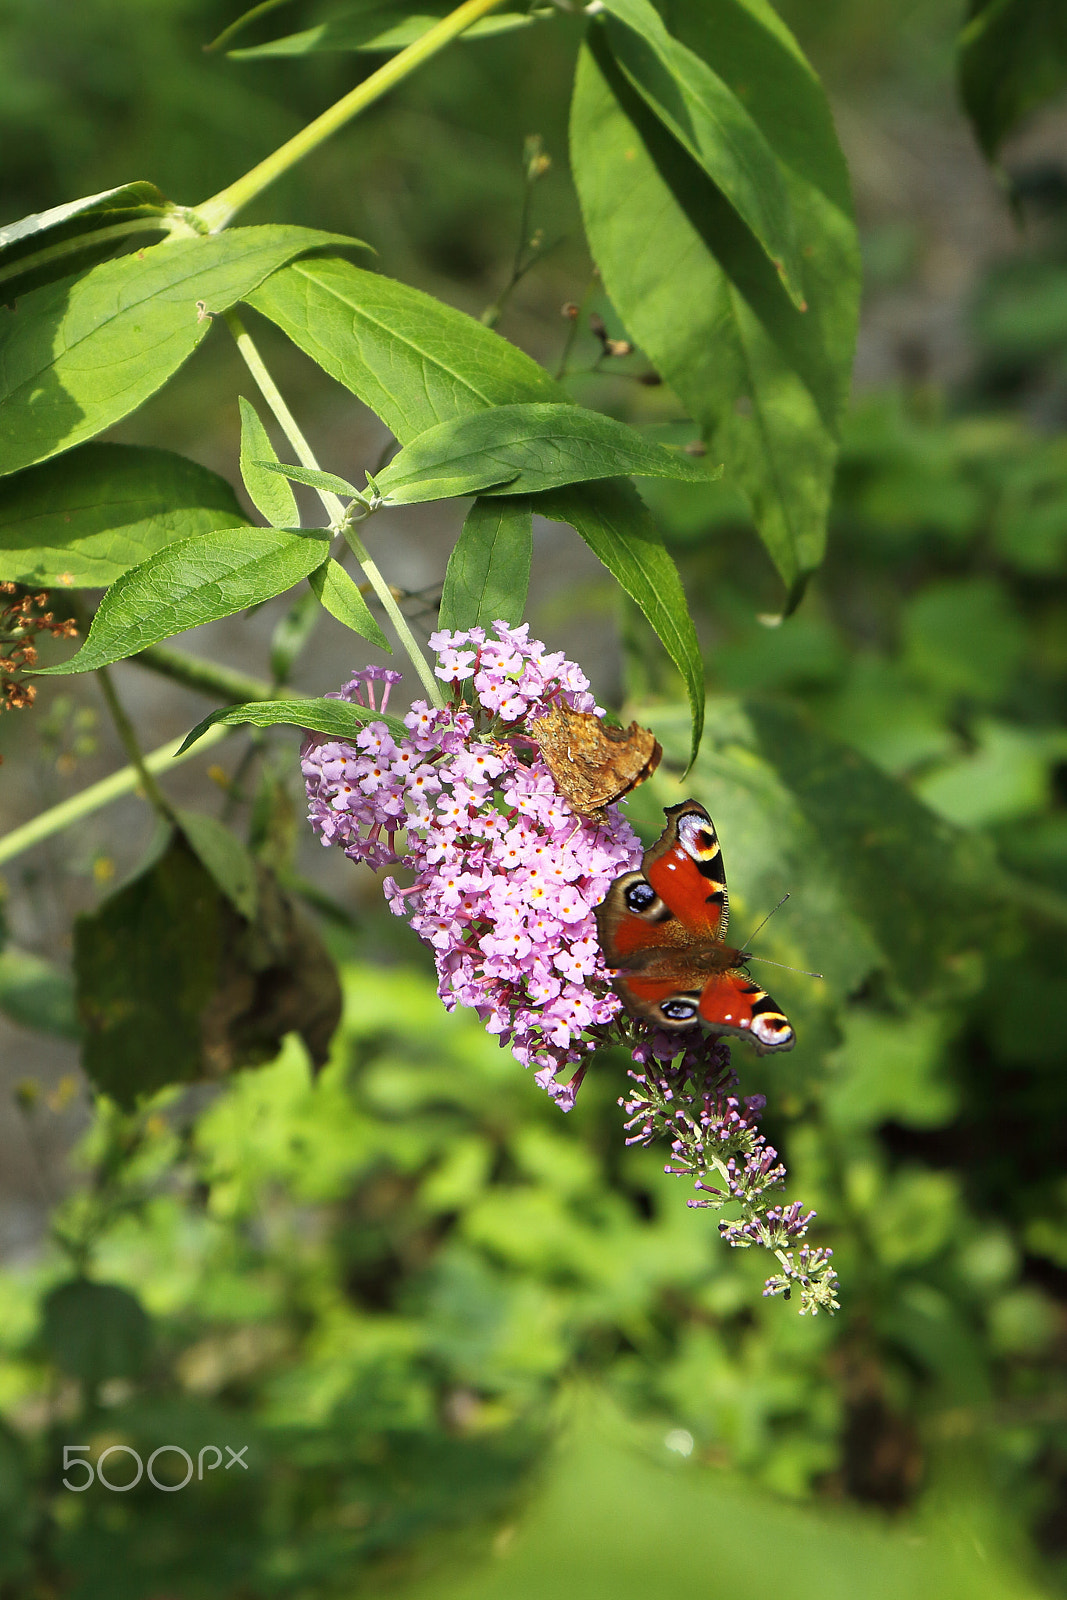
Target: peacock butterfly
[{"x": 662, "y": 931}]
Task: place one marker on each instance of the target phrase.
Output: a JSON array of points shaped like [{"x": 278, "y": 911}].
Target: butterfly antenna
[
  {"x": 767, "y": 959},
  {"x": 783, "y": 966},
  {"x": 767, "y": 918}
]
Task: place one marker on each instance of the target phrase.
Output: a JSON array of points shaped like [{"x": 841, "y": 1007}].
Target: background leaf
[
  {"x": 1011, "y": 58},
  {"x": 339, "y": 595},
  {"x": 95, "y": 1331},
  {"x": 269, "y": 493},
  {"x": 82, "y": 521},
  {"x": 175, "y": 986},
  {"x": 766, "y": 382},
  {"x": 710, "y": 121},
  {"x": 488, "y": 572},
  {"x": 197, "y": 580},
  {"x": 84, "y": 352},
  {"x": 523, "y": 449},
  {"x": 382, "y": 28},
  {"x": 222, "y": 854},
  {"x": 879, "y": 883},
  {"x": 35, "y": 993}
]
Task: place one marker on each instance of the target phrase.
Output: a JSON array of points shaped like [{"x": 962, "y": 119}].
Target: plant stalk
[
  {"x": 334, "y": 507},
  {"x": 221, "y": 208},
  {"x": 101, "y": 794}
]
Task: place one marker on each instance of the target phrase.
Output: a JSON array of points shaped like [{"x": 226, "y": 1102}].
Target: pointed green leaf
[
  {"x": 310, "y": 476},
  {"x": 412, "y": 360},
  {"x": 271, "y": 495},
  {"x": 711, "y": 122},
  {"x": 488, "y": 572},
  {"x": 82, "y": 521},
  {"x": 222, "y": 854},
  {"x": 1011, "y": 58},
  {"x": 338, "y": 718},
  {"x": 35, "y": 993},
  {"x": 524, "y": 449},
  {"x": 197, "y": 580},
  {"x": 616, "y": 525},
  {"x": 381, "y": 28},
  {"x": 341, "y": 598},
  {"x": 81, "y": 353},
  {"x": 767, "y": 383},
  {"x": 53, "y": 244}
]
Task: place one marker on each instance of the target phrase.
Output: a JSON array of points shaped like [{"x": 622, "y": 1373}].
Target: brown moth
[{"x": 592, "y": 763}]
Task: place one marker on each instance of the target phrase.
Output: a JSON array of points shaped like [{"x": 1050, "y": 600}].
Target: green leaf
[
  {"x": 523, "y": 449},
  {"x": 488, "y": 572},
  {"x": 80, "y": 354},
  {"x": 568, "y": 1544},
  {"x": 340, "y": 596},
  {"x": 95, "y": 1331},
  {"x": 45, "y": 245},
  {"x": 1011, "y": 57},
  {"x": 197, "y": 580},
  {"x": 339, "y": 718},
  {"x": 412, "y": 360},
  {"x": 222, "y": 854},
  {"x": 383, "y": 28},
  {"x": 879, "y": 883},
  {"x": 175, "y": 985},
  {"x": 616, "y": 525},
  {"x": 767, "y": 383},
  {"x": 271, "y": 496},
  {"x": 36, "y": 994},
  {"x": 710, "y": 121},
  {"x": 82, "y": 521},
  {"x": 311, "y": 476}
]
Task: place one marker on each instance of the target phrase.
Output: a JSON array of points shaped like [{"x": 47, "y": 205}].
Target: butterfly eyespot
[
  {"x": 679, "y": 1010},
  {"x": 639, "y": 896}
]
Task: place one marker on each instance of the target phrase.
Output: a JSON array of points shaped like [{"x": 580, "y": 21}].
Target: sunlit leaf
[
  {"x": 82, "y": 521},
  {"x": 268, "y": 492},
  {"x": 488, "y": 572},
  {"x": 81, "y": 353},
  {"x": 524, "y": 449},
  {"x": 197, "y": 580}
]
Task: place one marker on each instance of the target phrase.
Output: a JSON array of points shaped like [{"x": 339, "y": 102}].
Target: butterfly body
[{"x": 663, "y": 928}]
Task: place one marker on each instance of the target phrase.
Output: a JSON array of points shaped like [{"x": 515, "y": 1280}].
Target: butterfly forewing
[{"x": 698, "y": 898}]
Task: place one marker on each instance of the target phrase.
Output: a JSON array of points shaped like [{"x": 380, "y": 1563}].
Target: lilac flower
[
  {"x": 504, "y": 880},
  {"x": 506, "y": 876},
  {"x": 714, "y": 1135}
]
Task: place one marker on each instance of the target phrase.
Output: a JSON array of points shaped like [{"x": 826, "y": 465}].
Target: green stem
[
  {"x": 124, "y": 727},
  {"x": 102, "y": 794},
  {"x": 335, "y": 508},
  {"x": 242, "y": 22},
  {"x": 222, "y": 207},
  {"x": 204, "y": 677}
]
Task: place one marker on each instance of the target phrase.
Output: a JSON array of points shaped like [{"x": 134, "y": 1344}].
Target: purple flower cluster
[
  {"x": 505, "y": 874},
  {"x": 714, "y": 1134}
]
